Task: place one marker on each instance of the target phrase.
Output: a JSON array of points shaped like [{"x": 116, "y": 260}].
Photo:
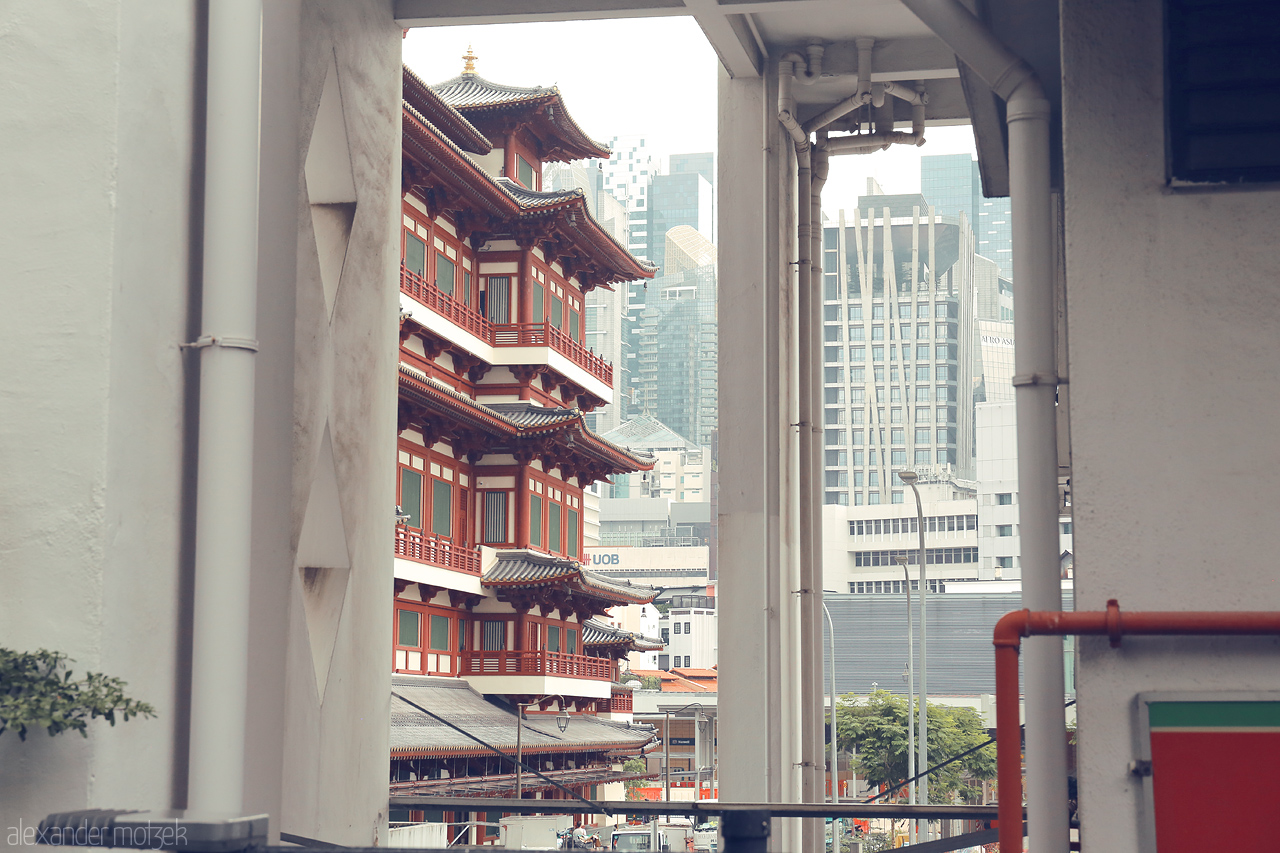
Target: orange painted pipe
[{"x": 1007, "y": 638}]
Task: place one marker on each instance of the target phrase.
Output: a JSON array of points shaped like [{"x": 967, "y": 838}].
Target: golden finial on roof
[{"x": 469, "y": 62}]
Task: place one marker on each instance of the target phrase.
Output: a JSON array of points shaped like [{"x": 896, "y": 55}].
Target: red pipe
[{"x": 1008, "y": 635}]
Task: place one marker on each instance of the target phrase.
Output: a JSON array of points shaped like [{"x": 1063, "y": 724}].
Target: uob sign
[{"x": 604, "y": 559}]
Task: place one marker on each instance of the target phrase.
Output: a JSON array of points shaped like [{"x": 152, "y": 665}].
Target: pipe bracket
[
  {"x": 1035, "y": 379},
  {"x": 229, "y": 341}
]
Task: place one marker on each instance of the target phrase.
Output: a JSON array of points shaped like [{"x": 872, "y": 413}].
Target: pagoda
[{"x": 494, "y": 455}]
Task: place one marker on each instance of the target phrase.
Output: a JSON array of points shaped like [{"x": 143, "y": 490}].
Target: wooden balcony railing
[
  {"x": 504, "y": 334},
  {"x": 510, "y": 662},
  {"x": 621, "y": 703},
  {"x": 434, "y": 551}
]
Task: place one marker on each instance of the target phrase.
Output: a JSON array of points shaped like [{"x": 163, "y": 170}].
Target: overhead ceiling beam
[
  {"x": 730, "y": 36},
  {"x": 445, "y": 13}
]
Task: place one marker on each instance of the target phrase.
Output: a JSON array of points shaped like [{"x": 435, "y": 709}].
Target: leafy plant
[
  {"x": 36, "y": 691},
  {"x": 635, "y": 765},
  {"x": 876, "y": 728}
]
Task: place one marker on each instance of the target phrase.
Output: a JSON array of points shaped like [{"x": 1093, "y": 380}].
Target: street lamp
[
  {"x": 562, "y": 722},
  {"x": 910, "y": 478},
  {"x": 666, "y": 748},
  {"x": 835, "y": 776},
  {"x": 911, "y": 700}
]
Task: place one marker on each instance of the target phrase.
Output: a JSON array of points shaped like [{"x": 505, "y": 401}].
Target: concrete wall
[
  {"x": 96, "y": 445},
  {"x": 336, "y": 731},
  {"x": 101, "y": 221},
  {"x": 1173, "y": 311}
]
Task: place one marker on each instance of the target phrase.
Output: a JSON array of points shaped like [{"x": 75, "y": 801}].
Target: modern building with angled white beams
[{"x": 1116, "y": 235}]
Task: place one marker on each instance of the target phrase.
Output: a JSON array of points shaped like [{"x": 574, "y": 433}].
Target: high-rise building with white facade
[{"x": 899, "y": 350}]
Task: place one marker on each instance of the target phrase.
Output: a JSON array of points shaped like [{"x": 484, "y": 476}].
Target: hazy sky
[{"x": 650, "y": 77}]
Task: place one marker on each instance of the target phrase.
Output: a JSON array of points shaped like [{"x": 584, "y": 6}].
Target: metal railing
[{"x": 503, "y": 334}]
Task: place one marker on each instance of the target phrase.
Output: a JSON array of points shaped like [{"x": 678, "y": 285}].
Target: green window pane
[
  {"x": 538, "y": 315},
  {"x": 445, "y": 271},
  {"x": 573, "y": 325},
  {"x": 553, "y": 638},
  {"x": 553, "y": 526},
  {"x": 411, "y": 497},
  {"x": 535, "y": 520},
  {"x": 573, "y": 641},
  {"x": 441, "y": 504},
  {"x": 557, "y": 312},
  {"x": 524, "y": 172},
  {"x": 409, "y": 622},
  {"x": 462, "y": 635},
  {"x": 572, "y": 534},
  {"x": 415, "y": 255},
  {"x": 440, "y": 633},
  {"x": 466, "y": 288}
]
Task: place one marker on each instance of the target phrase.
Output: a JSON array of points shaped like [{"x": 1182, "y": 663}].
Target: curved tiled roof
[
  {"x": 595, "y": 633},
  {"x": 504, "y": 198},
  {"x": 471, "y": 93},
  {"x": 415, "y": 733},
  {"x": 472, "y": 90},
  {"x": 418, "y": 95},
  {"x": 522, "y": 568},
  {"x": 528, "y": 198}
]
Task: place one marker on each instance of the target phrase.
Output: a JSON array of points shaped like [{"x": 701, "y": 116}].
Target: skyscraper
[
  {"x": 951, "y": 183},
  {"x": 899, "y": 351}
]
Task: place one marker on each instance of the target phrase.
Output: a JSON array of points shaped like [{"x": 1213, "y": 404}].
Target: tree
[
  {"x": 876, "y": 729},
  {"x": 36, "y": 691},
  {"x": 635, "y": 765}
]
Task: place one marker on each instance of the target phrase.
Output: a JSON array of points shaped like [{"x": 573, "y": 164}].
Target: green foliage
[
  {"x": 876, "y": 729},
  {"x": 36, "y": 691},
  {"x": 651, "y": 682},
  {"x": 634, "y": 765}
]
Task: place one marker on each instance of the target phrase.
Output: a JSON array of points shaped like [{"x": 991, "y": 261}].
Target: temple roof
[
  {"x": 596, "y": 633},
  {"x": 487, "y": 104},
  {"x": 555, "y": 434},
  {"x": 501, "y": 208},
  {"x": 523, "y": 569},
  {"x": 432, "y": 109},
  {"x": 414, "y": 733},
  {"x": 646, "y": 432}
]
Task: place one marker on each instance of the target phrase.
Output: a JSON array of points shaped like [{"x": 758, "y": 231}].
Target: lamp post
[
  {"x": 835, "y": 776},
  {"x": 910, "y": 478},
  {"x": 562, "y": 723},
  {"x": 666, "y": 749},
  {"x": 911, "y": 699}
]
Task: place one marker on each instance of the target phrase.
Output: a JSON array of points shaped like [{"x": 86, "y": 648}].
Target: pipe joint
[{"x": 1114, "y": 628}]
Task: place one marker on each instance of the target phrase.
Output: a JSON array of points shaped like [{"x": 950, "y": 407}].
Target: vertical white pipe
[
  {"x": 1036, "y": 380},
  {"x": 224, "y": 508}
]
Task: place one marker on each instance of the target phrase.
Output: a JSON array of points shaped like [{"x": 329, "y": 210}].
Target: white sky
[{"x": 650, "y": 77}]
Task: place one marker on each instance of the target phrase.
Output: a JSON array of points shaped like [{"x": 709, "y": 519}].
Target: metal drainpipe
[
  {"x": 1007, "y": 638},
  {"x": 805, "y": 476},
  {"x": 813, "y": 601},
  {"x": 1036, "y": 382},
  {"x": 224, "y": 467}
]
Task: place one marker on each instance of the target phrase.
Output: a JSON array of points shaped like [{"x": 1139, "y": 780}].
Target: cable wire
[{"x": 519, "y": 722}]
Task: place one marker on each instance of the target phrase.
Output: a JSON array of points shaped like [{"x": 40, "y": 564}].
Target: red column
[
  {"x": 524, "y": 287},
  {"x": 522, "y": 507}
]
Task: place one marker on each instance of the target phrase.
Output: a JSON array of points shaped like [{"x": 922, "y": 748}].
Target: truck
[
  {"x": 534, "y": 832},
  {"x": 655, "y": 837}
]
